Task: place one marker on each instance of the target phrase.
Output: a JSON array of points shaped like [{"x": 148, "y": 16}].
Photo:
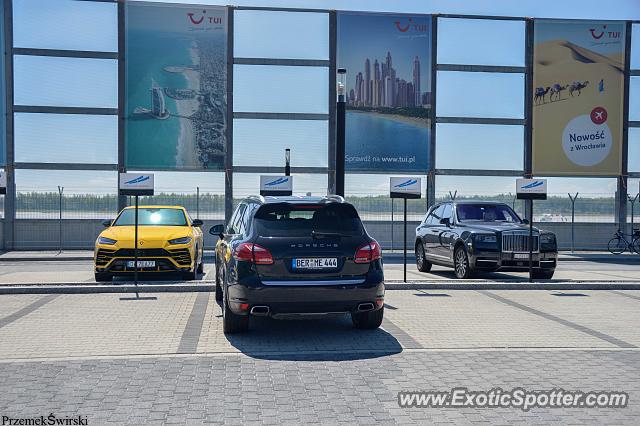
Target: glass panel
[
  {"x": 245, "y": 184},
  {"x": 77, "y": 82},
  {"x": 481, "y": 42},
  {"x": 182, "y": 188},
  {"x": 634, "y": 98},
  {"x": 369, "y": 193},
  {"x": 268, "y": 88},
  {"x": 66, "y": 138},
  {"x": 485, "y": 147},
  {"x": 87, "y": 194},
  {"x": 262, "y": 142},
  {"x": 65, "y": 24},
  {"x": 480, "y": 94},
  {"x": 634, "y": 149},
  {"x": 268, "y": 34},
  {"x": 635, "y": 46}
]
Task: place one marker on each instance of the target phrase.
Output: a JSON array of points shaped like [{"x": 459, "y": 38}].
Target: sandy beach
[
  {"x": 186, "y": 151},
  {"x": 414, "y": 121}
]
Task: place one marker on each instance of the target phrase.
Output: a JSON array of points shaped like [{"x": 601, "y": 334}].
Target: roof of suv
[{"x": 297, "y": 199}]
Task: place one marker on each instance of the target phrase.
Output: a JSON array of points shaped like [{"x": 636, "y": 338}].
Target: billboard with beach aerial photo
[
  {"x": 176, "y": 103},
  {"x": 578, "y": 74},
  {"x": 388, "y": 90}
]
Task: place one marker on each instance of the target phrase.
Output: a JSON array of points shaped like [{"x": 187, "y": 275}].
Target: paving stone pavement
[{"x": 167, "y": 361}]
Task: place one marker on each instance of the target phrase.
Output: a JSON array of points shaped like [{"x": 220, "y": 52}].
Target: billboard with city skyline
[
  {"x": 578, "y": 74},
  {"x": 388, "y": 90},
  {"x": 176, "y": 77}
]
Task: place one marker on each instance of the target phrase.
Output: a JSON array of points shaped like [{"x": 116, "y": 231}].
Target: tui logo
[
  {"x": 405, "y": 28},
  {"x": 196, "y": 21}
]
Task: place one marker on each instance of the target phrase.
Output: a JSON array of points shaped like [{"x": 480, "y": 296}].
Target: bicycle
[{"x": 619, "y": 243}]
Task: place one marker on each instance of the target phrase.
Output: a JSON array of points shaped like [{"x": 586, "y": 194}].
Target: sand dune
[
  {"x": 554, "y": 52},
  {"x": 562, "y": 62}
]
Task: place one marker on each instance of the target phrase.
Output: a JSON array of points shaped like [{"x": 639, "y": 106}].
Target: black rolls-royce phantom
[{"x": 475, "y": 236}]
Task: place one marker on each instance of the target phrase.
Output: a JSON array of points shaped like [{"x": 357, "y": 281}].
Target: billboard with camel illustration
[{"x": 578, "y": 75}]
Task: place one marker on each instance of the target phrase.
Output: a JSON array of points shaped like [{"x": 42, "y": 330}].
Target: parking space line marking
[
  {"x": 575, "y": 326},
  {"x": 619, "y": 293},
  {"x": 401, "y": 336},
  {"x": 191, "y": 334},
  {"x": 27, "y": 309}
]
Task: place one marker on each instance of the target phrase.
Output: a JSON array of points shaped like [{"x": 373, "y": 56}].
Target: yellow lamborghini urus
[{"x": 168, "y": 241}]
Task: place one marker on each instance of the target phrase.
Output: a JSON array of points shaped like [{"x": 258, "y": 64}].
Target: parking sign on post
[
  {"x": 405, "y": 187},
  {"x": 276, "y": 185},
  {"x": 531, "y": 189},
  {"x": 135, "y": 184}
]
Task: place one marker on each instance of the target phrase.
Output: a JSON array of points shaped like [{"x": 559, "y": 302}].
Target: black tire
[
  {"x": 461, "y": 265},
  {"x": 367, "y": 320},
  {"x": 636, "y": 245},
  {"x": 218, "y": 285},
  {"x": 103, "y": 277},
  {"x": 542, "y": 274},
  {"x": 422, "y": 263},
  {"x": 201, "y": 265},
  {"x": 193, "y": 274},
  {"x": 232, "y": 323},
  {"x": 616, "y": 245}
]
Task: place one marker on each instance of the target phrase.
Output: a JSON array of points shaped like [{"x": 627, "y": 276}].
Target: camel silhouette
[
  {"x": 556, "y": 91},
  {"x": 577, "y": 86},
  {"x": 540, "y": 94}
]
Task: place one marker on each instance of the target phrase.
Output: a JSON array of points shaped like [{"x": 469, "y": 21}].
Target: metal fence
[{"x": 58, "y": 214}]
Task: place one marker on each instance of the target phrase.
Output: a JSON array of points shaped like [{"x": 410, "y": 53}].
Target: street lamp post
[
  {"x": 340, "y": 130},
  {"x": 287, "y": 162}
]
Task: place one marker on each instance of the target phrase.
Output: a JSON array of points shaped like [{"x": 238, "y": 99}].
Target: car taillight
[
  {"x": 368, "y": 253},
  {"x": 253, "y": 253}
]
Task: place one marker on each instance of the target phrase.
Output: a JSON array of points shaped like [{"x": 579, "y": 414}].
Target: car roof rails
[
  {"x": 258, "y": 198},
  {"x": 334, "y": 197}
]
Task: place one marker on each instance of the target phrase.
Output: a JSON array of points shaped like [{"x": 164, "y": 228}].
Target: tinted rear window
[{"x": 284, "y": 219}]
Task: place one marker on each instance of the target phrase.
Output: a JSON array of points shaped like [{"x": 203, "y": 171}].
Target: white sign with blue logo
[
  {"x": 3, "y": 182},
  {"x": 136, "y": 184},
  {"x": 276, "y": 185},
  {"x": 531, "y": 189},
  {"x": 405, "y": 187}
]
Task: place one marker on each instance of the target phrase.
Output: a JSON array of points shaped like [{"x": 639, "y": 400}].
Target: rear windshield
[
  {"x": 284, "y": 219},
  {"x": 152, "y": 217},
  {"x": 486, "y": 213}
]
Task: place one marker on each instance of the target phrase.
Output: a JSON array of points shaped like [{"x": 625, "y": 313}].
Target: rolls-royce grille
[
  {"x": 181, "y": 256},
  {"x": 519, "y": 242}
]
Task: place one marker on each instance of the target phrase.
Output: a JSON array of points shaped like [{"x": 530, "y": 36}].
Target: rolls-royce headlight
[
  {"x": 486, "y": 238},
  {"x": 547, "y": 239},
  {"x": 105, "y": 240},
  {"x": 183, "y": 240}
]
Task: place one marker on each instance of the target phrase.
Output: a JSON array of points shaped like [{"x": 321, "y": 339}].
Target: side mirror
[
  {"x": 197, "y": 222},
  {"x": 525, "y": 221},
  {"x": 445, "y": 221},
  {"x": 107, "y": 223},
  {"x": 217, "y": 230}
]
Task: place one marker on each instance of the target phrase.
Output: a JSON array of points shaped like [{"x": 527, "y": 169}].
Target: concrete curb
[{"x": 209, "y": 286}]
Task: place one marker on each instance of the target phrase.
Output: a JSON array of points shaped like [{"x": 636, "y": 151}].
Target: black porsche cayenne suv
[
  {"x": 473, "y": 236},
  {"x": 287, "y": 256}
]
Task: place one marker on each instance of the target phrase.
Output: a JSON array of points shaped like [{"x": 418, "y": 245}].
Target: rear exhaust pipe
[
  {"x": 260, "y": 311},
  {"x": 363, "y": 307}
]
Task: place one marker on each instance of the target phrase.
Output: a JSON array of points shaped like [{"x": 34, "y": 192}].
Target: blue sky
[{"x": 92, "y": 26}]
